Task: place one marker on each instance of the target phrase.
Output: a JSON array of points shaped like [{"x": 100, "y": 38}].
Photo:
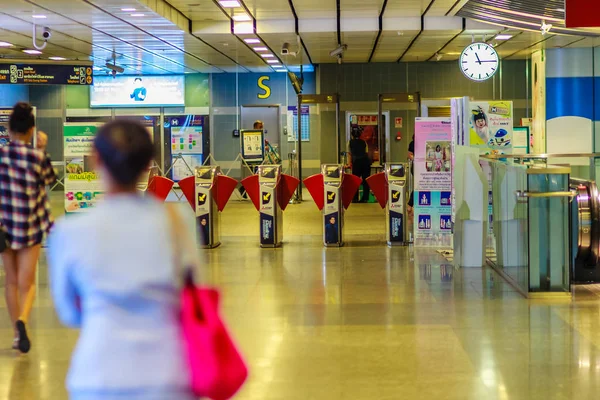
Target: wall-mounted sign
[
  {"x": 138, "y": 91},
  {"x": 262, "y": 85},
  {"x": 479, "y": 62},
  {"x": 45, "y": 74},
  {"x": 398, "y": 122},
  {"x": 4, "y": 117}
]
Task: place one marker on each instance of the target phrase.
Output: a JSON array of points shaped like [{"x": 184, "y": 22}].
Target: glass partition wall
[{"x": 543, "y": 216}]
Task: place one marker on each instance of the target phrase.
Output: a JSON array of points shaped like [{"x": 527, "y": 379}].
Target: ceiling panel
[
  {"x": 270, "y": 9},
  {"x": 307, "y": 9},
  {"x": 362, "y": 8},
  {"x": 199, "y": 10},
  {"x": 440, "y": 8},
  {"x": 360, "y": 45},
  {"x": 406, "y": 8},
  {"x": 391, "y": 45},
  {"x": 319, "y": 45}
]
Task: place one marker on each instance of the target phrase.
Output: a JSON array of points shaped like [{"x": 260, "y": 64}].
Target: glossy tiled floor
[{"x": 360, "y": 322}]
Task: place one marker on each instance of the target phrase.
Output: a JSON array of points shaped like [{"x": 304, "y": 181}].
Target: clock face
[{"x": 479, "y": 61}]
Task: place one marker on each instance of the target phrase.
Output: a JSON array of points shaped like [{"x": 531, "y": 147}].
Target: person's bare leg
[
  {"x": 11, "y": 286},
  {"x": 27, "y": 265}
]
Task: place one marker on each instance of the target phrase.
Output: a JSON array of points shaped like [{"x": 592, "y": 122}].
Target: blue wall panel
[
  {"x": 11, "y": 94},
  {"x": 570, "y": 97}
]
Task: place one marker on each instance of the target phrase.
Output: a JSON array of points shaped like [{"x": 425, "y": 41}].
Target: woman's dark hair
[
  {"x": 21, "y": 119},
  {"x": 438, "y": 147},
  {"x": 356, "y": 133},
  {"x": 125, "y": 149}
]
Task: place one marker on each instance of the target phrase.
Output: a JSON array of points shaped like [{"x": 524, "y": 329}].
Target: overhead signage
[
  {"x": 45, "y": 74},
  {"x": 138, "y": 91}
]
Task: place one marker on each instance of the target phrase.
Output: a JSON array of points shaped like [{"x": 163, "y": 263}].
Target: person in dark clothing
[
  {"x": 361, "y": 164},
  {"x": 331, "y": 230},
  {"x": 411, "y": 157}
]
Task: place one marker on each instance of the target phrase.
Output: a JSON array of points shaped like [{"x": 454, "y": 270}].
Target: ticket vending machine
[
  {"x": 332, "y": 191},
  {"x": 270, "y": 190},
  {"x": 390, "y": 187},
  {"x": 208, "y": 191}
]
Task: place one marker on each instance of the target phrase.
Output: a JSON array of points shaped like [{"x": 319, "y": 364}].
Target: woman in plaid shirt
[{"x": 24, "y": 215}]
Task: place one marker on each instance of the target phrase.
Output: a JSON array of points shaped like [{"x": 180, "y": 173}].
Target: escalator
[{"x": 585, "y": 232}]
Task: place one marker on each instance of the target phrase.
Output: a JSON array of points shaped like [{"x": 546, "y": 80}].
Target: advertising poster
[
  {"x": 4, "y": 116},
  {"x": 138, "y": 91},
  {"x": 433, "y": 182},
  {"x": 491, "y": 126},
  {"x": 82, "y": 185}
]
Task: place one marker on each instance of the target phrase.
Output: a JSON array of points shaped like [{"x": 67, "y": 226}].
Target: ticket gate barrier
[
  {"x": 333, "y": 191},
  {"x": 390, "y": 188},
  {"x": 270, "y": 191},
  {"x": 208, "y": 192}
]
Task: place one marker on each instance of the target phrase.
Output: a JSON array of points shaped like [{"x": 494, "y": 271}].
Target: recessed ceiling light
[
  {"x": 38, "y": 16},
  {"x": 503, "y": 37},
  {"x": 128, "y": 9},
  {"x": 5, "y": 44},
  {"x": 281, "y": 70},
  {"x": 261, "y": 49},
  {"x": 276, "y": 66},
  {"x": 57, "y": 58},
  {"x": 241, "y": 17},
  {"x": 251, "y": 41},
  {"x": 229, "y": 3},
  {"x": 267, "y": 55},
  {"x": 137, "y": 15},
  {"x": 31, "y": 51},
  {"x": 273, "y": 61}
]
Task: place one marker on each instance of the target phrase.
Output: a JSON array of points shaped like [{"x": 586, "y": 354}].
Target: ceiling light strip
[
  {"x": 297, "y": 30},
  {"x": 464, "y": 27},
  {"x": 383, "y": 6},
  {"x": 505, "y": 41},
  {"x": 113, "y": 37},
  {"x": 412, "y": 42}
]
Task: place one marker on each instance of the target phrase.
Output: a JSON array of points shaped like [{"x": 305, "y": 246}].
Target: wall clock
[{"x": 479, "y": 61}]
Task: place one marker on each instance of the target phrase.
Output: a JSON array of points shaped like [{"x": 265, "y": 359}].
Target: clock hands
[{"x": 478, "y": 60}]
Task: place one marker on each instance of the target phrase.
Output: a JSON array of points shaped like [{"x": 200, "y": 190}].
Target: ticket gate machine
[
  {"x": 208, "y": 191},
  {"x": 332, "y": 191},
  {"x": 271, "y": 191},
  {"x": 390, "y": 188}
]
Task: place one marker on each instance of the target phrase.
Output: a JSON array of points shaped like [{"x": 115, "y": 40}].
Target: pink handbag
[
  {"x": 217, "y": 370},
  {"x": 216, "y": 367}
]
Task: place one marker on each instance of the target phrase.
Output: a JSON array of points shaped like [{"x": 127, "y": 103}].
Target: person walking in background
[
  {"x": 411, "y": 160},
  {"x": 24, "y": 215},
  {"x": 361, "y": 163},
  {"x": 119, "y": 282}
]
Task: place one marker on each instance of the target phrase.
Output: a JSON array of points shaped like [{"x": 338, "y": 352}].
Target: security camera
[
  {"x": 115, "y": 68},
  {"x": 47, "y": 33},
  {"x": 285, "y": 49},
  {"x": 339, "y": 51}
]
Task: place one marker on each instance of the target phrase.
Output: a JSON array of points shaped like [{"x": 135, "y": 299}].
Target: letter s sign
[{"x": 264, "y": 87}]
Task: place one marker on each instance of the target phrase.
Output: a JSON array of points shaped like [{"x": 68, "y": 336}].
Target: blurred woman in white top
[{"x": 113, "y": 276}]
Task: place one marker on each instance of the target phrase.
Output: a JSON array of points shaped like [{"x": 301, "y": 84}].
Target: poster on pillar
[
  {"x": 4, "y": 117},
  {"x": 83, "y": 188},
  {"x": 433, "y": 182},
  {"x": 491, "y": 126}
]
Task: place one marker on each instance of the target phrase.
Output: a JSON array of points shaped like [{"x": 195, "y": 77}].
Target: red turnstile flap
[
  {"x": 223, "y": 189},
  {"x": 379, "y": 186},
  {"x": 350, "y": 185},
  {"x": 160, "y": 187},
  {"x": 188, "y": 187},
  {"x": 287, "y": 186},
  {"x": 316, "y": 188},
  {"x": 252, "y": 189}
]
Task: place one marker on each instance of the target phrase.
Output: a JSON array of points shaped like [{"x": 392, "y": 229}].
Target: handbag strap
[{"x": 181, "y": 245}]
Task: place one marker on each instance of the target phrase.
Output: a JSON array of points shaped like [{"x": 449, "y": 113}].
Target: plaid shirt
[{"x": 25, "y": 210}]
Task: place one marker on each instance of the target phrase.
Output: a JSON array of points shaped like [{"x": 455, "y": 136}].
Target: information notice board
[
  {"x": 433, "y": 182},
  {"x": 83, "y": 188},
  {"x": 45, "y": 74}
]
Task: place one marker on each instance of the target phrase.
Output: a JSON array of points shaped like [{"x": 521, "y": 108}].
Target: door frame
[
  {"x": 379, "y": 136},
  {"x": 277, "y": 106}
]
